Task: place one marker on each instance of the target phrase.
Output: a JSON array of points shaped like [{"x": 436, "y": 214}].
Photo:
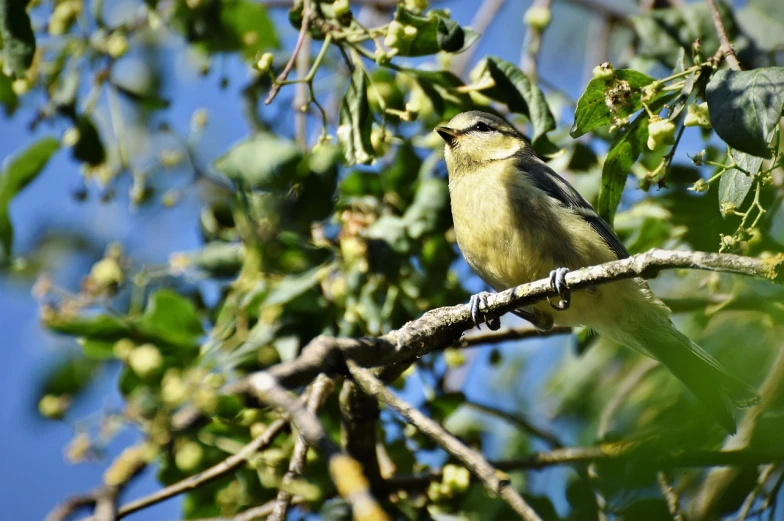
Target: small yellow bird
[{"x": 517, "y": 221}]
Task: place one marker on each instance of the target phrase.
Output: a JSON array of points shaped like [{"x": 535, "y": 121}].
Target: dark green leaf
[
  {"x": 444, "y": 405},
  {"x": 17, "y": 38},
  {"x": 745, "y": 107},
  {"x": 89, "y": 148},
  {"x": 264, "y": 162},
  {"x": 292, "y": 286},
  {"x": 69, "y": 376},
  {"x": 171, "y": 318},
  {"x": 623, "y": 93},
  {"x": 435, "y": 32},
  {"x": 392, "y": 230},
  {"x": 520, "y": 94},
  {"x": 620, "y": 159},
  {"x": 226, "y": 26},
  {"x": 355, "y": 121},
  {"x": 663, "y": 32},
  {"x": 8, "y": 98},
  {"x": 735, "y": 184},
  {"x": 17, "y": 173},
  {"x": 335, "y": 510}
]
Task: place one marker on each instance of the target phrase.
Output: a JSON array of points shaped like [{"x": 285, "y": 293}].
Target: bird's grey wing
[{"x": 555, "y": 186}]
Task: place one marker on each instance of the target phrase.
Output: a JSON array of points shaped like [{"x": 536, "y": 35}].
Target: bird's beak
[{"x": 447, "y": 134}]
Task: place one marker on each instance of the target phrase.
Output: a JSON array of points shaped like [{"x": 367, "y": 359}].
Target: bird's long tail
[{"x": 720, "y": 391}]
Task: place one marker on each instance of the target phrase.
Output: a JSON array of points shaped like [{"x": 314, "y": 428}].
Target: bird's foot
[
  {"x": 477, "y": 305},
  {"x": 558, "y": 283}
]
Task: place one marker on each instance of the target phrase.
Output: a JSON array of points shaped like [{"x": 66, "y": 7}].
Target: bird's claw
[
  {"x": 558, "y": 283},
  {"x": 477, "y": 303}
]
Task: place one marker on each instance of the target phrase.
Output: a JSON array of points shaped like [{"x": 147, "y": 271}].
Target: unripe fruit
[
  {"x": 264, "y": 65},
  {"x": 538, "y": 17},
  {"x": 145, "y": 360},
  {"x": 697, "y": 116},
  {"x": 188, "y": 457},
  {"x": 604, "y": 71},
  {"x": 661, "y": 132},
  {"x": 116, "y": 45},
  {"x": 340, "y": 8},
  {"x": 395, "y": 33}
]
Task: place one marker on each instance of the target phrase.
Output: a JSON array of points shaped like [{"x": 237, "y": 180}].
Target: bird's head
[{"x": 474, "y": 138}]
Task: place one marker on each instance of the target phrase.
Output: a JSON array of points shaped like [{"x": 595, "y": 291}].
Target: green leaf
[
  {"x": 227, "y": 26},
  {"x": 439, "y": 87},
  {"x": 520, "y": 95},
  {"x": 96, "y": 349},
  {"x": 69, "y": 376},
  {"x": 735, "y": 184},
  {"x": 624, "y": 93},
  {"x": 171, "y": 318},
  {"x": 620, "y": 158},
  {"x": 219, "y": 258},
  {"x": 17, "y": 38},
  {"x": 428, "y": 209},
  {"x": 763, "y": 22},
  {"x": 8, "y": 98},
  {"x": 663, "y": 32},
  {"x": 17, "y": 173},
  {"x": 355, "y": 121},
  {"x": 99, "y": 327},
  {"x": 745, "y": 107},
  {"x": 264, "y": 162},
  {"x": 435, "y": 32},
  {"x": 89, "y": 148}
]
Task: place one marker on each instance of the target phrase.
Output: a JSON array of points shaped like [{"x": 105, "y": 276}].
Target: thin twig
[
  {"x": 69, "y": 507},
  {"x": 302, "y": 90},
  {"x": 222, "y": 468},
  {"x": 767, "y": 471},
  {"x": 673, "y": 502},
  {"x": 321, "y": 388},
  {"x": 532, "y": 43},
  {"x": 473, "y": 460},
  {"x": 725, "y": 46},
  {"x": 636, "y": 453},
  {"x": 521, "y": 422},
  {"x": 303, "y": 32},
  {"x": 511, "y": 333}
]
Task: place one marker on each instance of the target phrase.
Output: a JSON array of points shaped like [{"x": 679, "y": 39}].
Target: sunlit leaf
[
  {"x": 435, "y": 32},
  {"x": 745, "y": 107},
  {"x": 592, "y": 108},
  {"x": 355, "y": 121},
  {"x": 172, "y": 318},
  {"x": 735, "y": 184},
  {"x": 17, "y": 173},
  {"x": 622, "y": 155},
  {"x": 520, "y": 94}
]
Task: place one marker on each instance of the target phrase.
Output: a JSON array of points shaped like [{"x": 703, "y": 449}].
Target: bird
[{"x": 516, "y": 221}]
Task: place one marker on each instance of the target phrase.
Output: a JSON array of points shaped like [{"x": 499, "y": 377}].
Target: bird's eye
[{"x": 482, "y": 127}]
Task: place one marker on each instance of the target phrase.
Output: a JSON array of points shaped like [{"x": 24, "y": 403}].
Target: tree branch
[
  {"x": 303, "y": 33},
  {"x": 442, "y": 327},
  {"x": 320, "y": 390},
  {"x": 511, "y": 333},
  {"x": 345, "y": 471},
  {"x": 473, "y": 461},
  {"x": 522, "y": 423},
  {"x": 725, "y": 46}
]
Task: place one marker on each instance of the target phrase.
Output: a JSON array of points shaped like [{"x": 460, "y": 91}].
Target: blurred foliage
[{"x": 333, "y": 218}]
